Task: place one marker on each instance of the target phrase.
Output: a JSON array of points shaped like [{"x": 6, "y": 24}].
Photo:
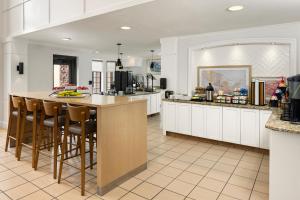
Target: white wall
[{"x": 285, "y": 31}]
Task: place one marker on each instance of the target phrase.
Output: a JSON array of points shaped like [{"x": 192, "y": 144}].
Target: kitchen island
[
  {"x": 121, "y": 135},
  {"x": 284, "y": 158}
]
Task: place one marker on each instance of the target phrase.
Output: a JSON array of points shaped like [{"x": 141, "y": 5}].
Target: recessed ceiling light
[
  {"x": 235, "y": 8},
  {"x": 125, "y": 27},
  {"x": 66, "y": 39}
]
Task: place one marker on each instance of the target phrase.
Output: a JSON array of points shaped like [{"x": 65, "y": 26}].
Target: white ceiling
[{"x": 164, "y": 18}]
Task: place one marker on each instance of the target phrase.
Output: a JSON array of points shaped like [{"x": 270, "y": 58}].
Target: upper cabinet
[
  {"x": 63, "y": 10},
  {"x": 36, "y": 14},
  {"x": 13, "y": 21},
  {"x": 92, "y": 5},
  {"x": 7, "y": 4}
]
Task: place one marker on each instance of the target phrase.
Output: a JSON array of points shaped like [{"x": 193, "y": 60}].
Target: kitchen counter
[
  {"x": 247, "y": 106},
  {"x": 121, "y": 135},
  {"x": 143, "y": 93}
]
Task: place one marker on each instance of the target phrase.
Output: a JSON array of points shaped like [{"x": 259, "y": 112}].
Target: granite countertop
[
  {"x": 247, "y": 106},
  {"x": 143, "y": 93},
  {"x": 274, "y": 123}
]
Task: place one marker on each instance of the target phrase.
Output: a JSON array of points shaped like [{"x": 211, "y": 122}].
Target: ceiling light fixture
[
  {"x": 66, "y": 39},
  {"x": 119, "y": 62},
  {"x": 125, "y": 27},
  {"x": 235, "y": 8}
]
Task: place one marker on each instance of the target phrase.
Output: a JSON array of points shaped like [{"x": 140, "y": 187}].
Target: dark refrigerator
[{"x": 124, "y": 81}]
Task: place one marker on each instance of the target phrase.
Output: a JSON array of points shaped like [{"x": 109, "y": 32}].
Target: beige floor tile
[
  {"x": 168, "y": 195},
  {"x": 11, "y": 183},
  {"x": 114, "y": 194},
  {"x": 180, "y": 187},
  {"x": 170, "y": 171},
  {"x": 147, "y": 190},
  {"x": 145, "y": 174},
  {"x": 259, "y": 196},
  {"x": 245, "y": 173},
  {"x": 263, "y": 177},
  {"x": 198, "y": 170},
  {"x": 44, "y": 181},
  {"x": 7, "y": 175},
  {"x": 21, "y": 191},
  {"x": 163, "y": 160},
  {"x": 2, "y": 168},
  {"x": 248, "y": 165},
  {"x": 179, "y": 164},
  {"x": 215, "y": 151},
  {"x": 158, "y": 151},
  {"x": 40, "y": 195},
  {"x": 160, "y": 180},
  {"x": 225, "y": 197},
  {"x": 237, "y": 192},
  {"x": 95, "y": 197},
  {"x": 212, "y": 184},
  {"x": 90, "y": 187},
  {"x": 187, "y": 158},
  {"x": 172, "y": 154},
  {"x": 211, "y": 157},
  {"x": 251, "y": 159},
  {"x": 264, "y": 169},
  {"x": 23, "y": 169},
  {"x": 194, "y": 153},
  {"x": 203, "y": 194},
  {"x": 219, "y": 175},
  {"x": 229, "y": 161},
  {"x": 74, "y": 194},
  {"x": 262, "y": 187},
  {"x": 224, "y": 167},
  {"x": 33, "y": 175},
  {"x": 189, "y": 177},
  {"x": 154, "y": 166},
  {"x": 205, "y": 163},
  {"x": 58, "y": 189},
  {"x": 179, "y": 149},
  {"x": 241, "y": 181},
  {"x": 132, "y": 196},
  {"x": 253, "y": 154},
  {"x": 131, "y": 183},
  {"x": 4, "y": 196},
  {"x": 232, "y": 155}
]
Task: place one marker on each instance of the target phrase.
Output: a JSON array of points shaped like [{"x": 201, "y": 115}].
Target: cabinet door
[
  {"x": 213, "y": 116},
  {"x": 198, "y": 121},
  {"x": 62, "y": 10},
  {"x": 263, "y": 131},
  {"x": 232, "y": 125},
  {"x": 250, "y": 127},
  {"x": 183, "y": 118},
  {"x": 36, "y": 14},
  {"x": 158, "y": 96},
  {"x": 153, "y": 101},
  {"x": 13, "y": 21},
  {"x": 169, "y": 111}
]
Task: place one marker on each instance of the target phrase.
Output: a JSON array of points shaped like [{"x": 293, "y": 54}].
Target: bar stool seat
[
  {"x": 90, "y": 127},
  {"x": 50, "y": 121}
]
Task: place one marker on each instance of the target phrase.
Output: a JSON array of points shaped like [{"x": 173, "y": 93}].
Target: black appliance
[
  {"x": 168, "y": 93},
  {"x": 163, "y": 83},
  {"x": 294, "y": 98},
  {"x": 124, "y": 81}
]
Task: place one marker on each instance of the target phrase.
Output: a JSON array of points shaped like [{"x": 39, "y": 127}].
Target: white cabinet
[
  {"x": 264, "y": 132},
  {"x": 213, "y": 122},
  {"x": 232, "y": 125},
  {"x": 10, "y": 3},
  {"x": 158, "y": 101},
  {"x": 13, "y": 21},
  {"x": 169, "y": 112},
  {"x": 63, "y": 10},
  {"x": 92, "y": 5},
  {"x": 36, "y": 14},
  {"x": 198, "y": 121},
  {"x": 250, "y": 127},
  {"x": 183, "y": 118},
  {"x": 153, "y": 102}
]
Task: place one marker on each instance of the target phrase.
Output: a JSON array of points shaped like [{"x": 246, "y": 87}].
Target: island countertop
[{"x": 94, "y": 100}]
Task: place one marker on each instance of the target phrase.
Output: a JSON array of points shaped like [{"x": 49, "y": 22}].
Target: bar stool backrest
[
  {"x": 17, "y": 101},
  {"x": 76, "y": 113},
  {"x": 52, "y": 108},
  {"x": 33, "y": 104}
]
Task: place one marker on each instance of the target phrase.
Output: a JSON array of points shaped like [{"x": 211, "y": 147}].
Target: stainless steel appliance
[
  {"x": 209, "y": 93},
  {"x": 294, "y": 98},
  {"x": 168, "y": 93},
  {"x": 124, "y": 81}
]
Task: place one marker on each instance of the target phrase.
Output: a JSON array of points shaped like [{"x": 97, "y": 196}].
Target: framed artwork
[
  {"x": 225, "y": 78},
  {"x": 156, "y": 69}
]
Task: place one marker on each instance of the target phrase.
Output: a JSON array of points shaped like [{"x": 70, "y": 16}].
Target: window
[
  {"x": 64, "y": 70},
  {"x": 110, "y": 74},
  {"x": 97, "y": 76}
]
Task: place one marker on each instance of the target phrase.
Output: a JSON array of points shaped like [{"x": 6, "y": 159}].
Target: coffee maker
[{"x": 294, "y": 98}]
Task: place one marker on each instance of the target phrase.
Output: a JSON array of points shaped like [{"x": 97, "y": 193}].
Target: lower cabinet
[
  {"x": 250, "y": 127},
  {"x": 264, "y": 132},
  {"x": 169, "y": 116},
  {"x": 183, "y": 118},
  {"x": 232, "y": 125},
  {"x": 213, "y": 122},
  {"x": 153, "y": 102},
  {"x": 198, "y": 121}
]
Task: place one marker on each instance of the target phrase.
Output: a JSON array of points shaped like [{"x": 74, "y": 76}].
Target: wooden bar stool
[
  {"x": 32, "y": 114},
  {"x": 53, "y": 118},
  {"x": 81, "y": 126},
  {"x": 16, "y": 109}
]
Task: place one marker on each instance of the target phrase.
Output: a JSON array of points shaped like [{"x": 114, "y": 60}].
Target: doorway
[{"x": 64, "y": 70}]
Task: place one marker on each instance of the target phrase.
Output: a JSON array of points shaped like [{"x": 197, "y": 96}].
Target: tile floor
[{"x": 177, "y": 169}]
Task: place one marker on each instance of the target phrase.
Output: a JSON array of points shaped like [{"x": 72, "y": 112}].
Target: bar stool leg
[
  {"x": 55, "y": 150},
  {"x": 18, "y": 131},
  {"x": 21, "y": 137},
  {"x": 91, "y": 143},
  {"x": 82, "y": 154},
  {"x": 34, "y": 139},
  {"x": 40, "y": 136}
]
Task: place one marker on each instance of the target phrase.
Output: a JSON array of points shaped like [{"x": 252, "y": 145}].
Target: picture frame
[
  {"x": 225, "y": 78},
  {"x": 157, "y": 66}
]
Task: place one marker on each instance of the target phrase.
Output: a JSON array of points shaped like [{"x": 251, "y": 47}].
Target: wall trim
[{"x": 292, "y": 42}]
